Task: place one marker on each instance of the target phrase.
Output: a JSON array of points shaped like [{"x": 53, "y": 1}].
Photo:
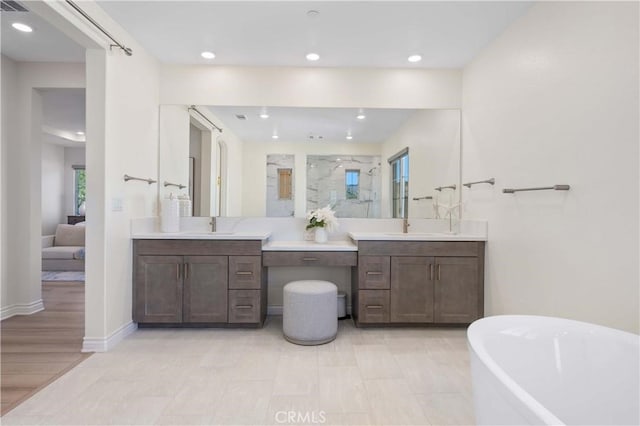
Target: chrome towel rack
[
  {"x": 440, "y": 188},
  {"x": 426, "y": 197},
  {"x": 127, "y": 178},
  {"x": 491, "y": 181},
  {"x": 177, "y": 185},
  {"x": 539, "y": 188}
]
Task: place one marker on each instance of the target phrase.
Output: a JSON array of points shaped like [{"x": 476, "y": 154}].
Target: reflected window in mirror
[
  {"x": 284, "y": 184},
  {"x": 280, "y": 186},
  {"x": 400, "y": 184},
  {"x": 352, "y": 184}
]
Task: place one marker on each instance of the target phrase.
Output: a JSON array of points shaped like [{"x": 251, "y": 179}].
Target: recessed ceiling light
[
  {"x": 208, "y": 55},
  {"x": 79, "y": 133},
  {"x": 312, "y": 56},
  {"x": 414, "y": 58},
  {"x": 264, "y": 115},
  {"x": 22, "y": 27},
  {"x": 274, "y": 136},
  {"x": 361, "y": 116}
]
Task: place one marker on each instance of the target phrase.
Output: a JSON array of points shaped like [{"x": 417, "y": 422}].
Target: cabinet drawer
[
  {"x": 373, "y": 306},
  {"x": 244, "y": 306},
  {"x": 309, "y": 258},
  {"x": 374, "y": 272},
  {"x": 244, "y": 272}
]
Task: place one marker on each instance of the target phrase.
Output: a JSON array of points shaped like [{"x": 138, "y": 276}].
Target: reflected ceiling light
[
  {"x": 349, "y": 137},
  {"x": 361, "y": 116},
  {"x": 264, "y": 115},
  {"x": 80, "y": 133},
  {"x": 414, "y": 58},
  {"x": 208, "y": 55},
  {"x": 22, "y": 27},
  {"x": 312, "y": 56},
  {"x": 274, "y": 136}
]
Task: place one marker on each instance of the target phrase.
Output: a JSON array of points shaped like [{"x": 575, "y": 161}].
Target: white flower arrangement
[{"x": 322, "y": 218}]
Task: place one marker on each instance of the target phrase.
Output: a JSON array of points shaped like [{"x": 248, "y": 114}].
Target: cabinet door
[
  {"x": 456, "y": 290},
  {"x": 373, "y": 272},
  {"x": 412, "y": 289},
  {"x": 158, "y": 289},
  {"x": 244, "y": 272},
  {"x": 205, "y": 288}
]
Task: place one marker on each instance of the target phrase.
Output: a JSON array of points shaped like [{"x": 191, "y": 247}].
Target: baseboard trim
[
  {"x": 21, "y": 309},
  {"x": 104, "y": 344}
]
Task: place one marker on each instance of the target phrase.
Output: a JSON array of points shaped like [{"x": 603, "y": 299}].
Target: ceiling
[
  {"x": 63, "y": 114},
  {"x": 278, "y": 33},
  {"x": 314, "y": 125},
  {"x": 344, "y": 33},
  {"x": 45, "y": 44}
]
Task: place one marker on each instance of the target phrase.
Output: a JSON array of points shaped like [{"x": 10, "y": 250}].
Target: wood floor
[{"x": 37, "y": 349}]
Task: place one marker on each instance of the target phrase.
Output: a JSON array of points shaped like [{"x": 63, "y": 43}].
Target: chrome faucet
[
  {"x": 213, "y": 224},
  {"x": 405, "y": 225}
]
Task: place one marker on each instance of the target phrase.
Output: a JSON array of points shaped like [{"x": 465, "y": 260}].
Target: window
[
  {"x": 284, "y": 184},
  {"x": 400, "y": 183},
  {"x": 79, "y": 188},
  {"x": 352, "y": 183}
]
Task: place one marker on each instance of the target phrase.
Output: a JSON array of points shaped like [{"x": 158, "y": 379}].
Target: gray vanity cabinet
[
  {"x": 205, "y": 289},
  {"x": 412, "y": 287},
  {"x": 182, "y": 282},
  {"x": 429, "y": 282},
  {"x": 158, "y": 289}
]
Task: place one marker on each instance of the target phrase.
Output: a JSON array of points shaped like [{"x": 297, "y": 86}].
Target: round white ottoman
[{"x": 309, "y": 312}]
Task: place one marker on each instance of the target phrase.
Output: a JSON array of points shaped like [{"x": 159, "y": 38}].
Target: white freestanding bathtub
[{"x": 542, "y": 370}]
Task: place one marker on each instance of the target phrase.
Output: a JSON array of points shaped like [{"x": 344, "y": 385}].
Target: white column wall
[{"x": 554, "y": 100}]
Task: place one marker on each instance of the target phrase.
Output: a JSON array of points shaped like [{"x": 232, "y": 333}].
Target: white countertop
[
  {"x": 418, "y": 236},
  {"x": 309, "y": 246},
  {"x": 196, "y": 235}
]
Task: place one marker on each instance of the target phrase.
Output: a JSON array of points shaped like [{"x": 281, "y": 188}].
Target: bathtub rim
[{"x": 476, "y": 345}]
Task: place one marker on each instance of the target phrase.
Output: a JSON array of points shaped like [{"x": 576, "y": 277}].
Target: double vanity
[{"x": 221, "y": 279}]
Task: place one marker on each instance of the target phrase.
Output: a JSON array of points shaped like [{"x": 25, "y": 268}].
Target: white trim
[
  {"x": 21, "y": 309},
  {"x": 104, "y": 344}
]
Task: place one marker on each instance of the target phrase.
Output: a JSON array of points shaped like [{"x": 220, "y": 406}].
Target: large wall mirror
[{"x": 285, "y": 161}]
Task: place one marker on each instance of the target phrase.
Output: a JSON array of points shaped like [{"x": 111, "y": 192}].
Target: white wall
[
  {"x": 433, "y": 139},
  {"x": 72, "y": 157},
  {"x": 255, "y": 159},
  {"x": 53, "y": 187},
  {"x": 554, "y": 100},
  {"x": 8, "y": 92},
  {"x": 310, "y": 87},
  {"x": 22, "y": 142}
]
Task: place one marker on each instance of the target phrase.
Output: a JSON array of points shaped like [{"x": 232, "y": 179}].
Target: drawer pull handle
[
  {"x": 431, "y": 271},
  {"x": 244, "y": 273},
  {"x": 374, "y": 273},
  {"x": 374, "y": 306},
  {"x": 244, "y": 306},
  {"x": 186, "y": 271},
  {"x": 309, "y": 258},
  {"x": 438, "y": 272}
]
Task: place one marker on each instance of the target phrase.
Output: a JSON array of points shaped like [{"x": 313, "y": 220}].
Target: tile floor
[{"x": 382, "y": 376}]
